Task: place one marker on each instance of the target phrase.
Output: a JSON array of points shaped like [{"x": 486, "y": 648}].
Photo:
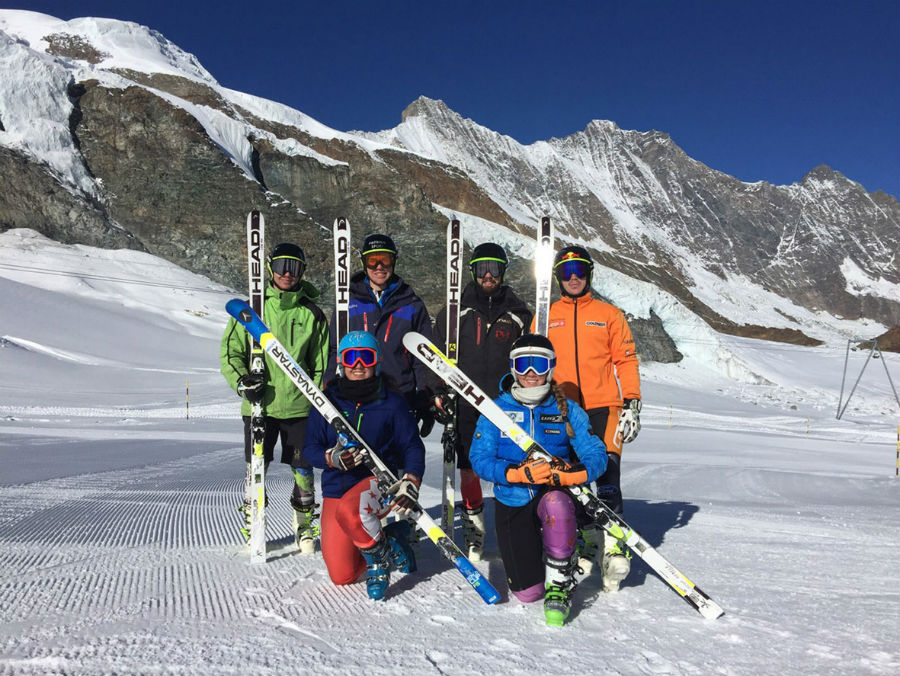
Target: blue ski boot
[
  {"x": 398, "y": 534},
  {"x": 378, "y": 568}
]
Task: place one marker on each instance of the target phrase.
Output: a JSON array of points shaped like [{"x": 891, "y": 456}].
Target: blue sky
[{"x": 761, "y": 90}]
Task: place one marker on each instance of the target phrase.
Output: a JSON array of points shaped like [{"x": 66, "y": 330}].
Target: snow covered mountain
[{"x": 112, "y": 136}]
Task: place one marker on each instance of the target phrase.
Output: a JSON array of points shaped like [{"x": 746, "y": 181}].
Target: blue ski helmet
[{"x": 358, "y": 339}]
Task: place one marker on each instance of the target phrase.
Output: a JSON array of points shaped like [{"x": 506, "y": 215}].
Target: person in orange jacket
[{"x": 597, "y": 366}]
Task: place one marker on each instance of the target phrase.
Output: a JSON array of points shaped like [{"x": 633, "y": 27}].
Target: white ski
[
  {"x": 543, "y": 275},
  {"x": 450, "y": 437},
  {"x": 341, "y": 277},
  {"x": 607, "y": 519}
]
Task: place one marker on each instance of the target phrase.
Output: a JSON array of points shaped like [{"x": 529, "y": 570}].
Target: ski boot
[
  {"x": 378, "y": 568},
  {"x": 559, "y": 584},
  {"x": 473, "y": 520},
  {"x": 587, "y": 546},
  {"x": 398, "y": 534},
  {"x": 305, "y": 527},
  {"x": 616, "y": 563}
]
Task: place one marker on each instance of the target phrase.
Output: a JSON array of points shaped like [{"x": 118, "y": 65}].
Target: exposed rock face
[{"x": 165, "y": 185}]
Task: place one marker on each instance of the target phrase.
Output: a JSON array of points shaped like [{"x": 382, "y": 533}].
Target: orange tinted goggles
[{"x": 373, "y": 260}]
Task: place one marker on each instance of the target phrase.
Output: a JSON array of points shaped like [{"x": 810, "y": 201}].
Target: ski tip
[{"x": 236, "y": 306}]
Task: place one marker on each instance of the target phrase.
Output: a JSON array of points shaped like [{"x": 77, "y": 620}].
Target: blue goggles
[
  {"x": 540, "y": 365},
  {"x": 566, "y": 269},
  {"x": 352, "y": 355}
]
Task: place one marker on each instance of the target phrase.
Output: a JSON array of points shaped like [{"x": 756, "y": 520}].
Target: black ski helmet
[
  {"x": 574, "y": 253},
  {"x": 533, "y": 344},
  {"x": 378, "y": 242},
  {"x": 287, "y": 250},
  {"x": 488, "y": 251}
]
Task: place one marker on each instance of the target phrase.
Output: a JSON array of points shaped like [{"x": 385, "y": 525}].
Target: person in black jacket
[
  {"x": 382, "y": 304},
  {"x": 491, "y": 318}
]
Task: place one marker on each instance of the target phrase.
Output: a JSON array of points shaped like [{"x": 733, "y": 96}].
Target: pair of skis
[
  {"x": 256, "y": 242},
  {"x": 245, "y": 315}
]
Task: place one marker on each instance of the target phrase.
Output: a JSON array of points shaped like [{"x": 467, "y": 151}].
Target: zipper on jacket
[
  {"x": 387, "y": 331},
  {"x": 478, "y": 332},
  {"x": 577, "y": 364}
]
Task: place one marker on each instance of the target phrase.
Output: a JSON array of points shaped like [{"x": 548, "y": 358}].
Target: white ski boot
[
  {"x": 616, "y": 563},
  {"x": 473, "y": 521},
  {"x": 305, "y": 528}
]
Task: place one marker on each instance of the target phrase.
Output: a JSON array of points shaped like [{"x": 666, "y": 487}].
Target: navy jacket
[
  {"x": 398, "y": 312},
  {"x": 386, "y": 424}
]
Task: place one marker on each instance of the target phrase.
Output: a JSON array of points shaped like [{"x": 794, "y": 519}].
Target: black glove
[
  {"x": 443, "y": 407},
  {"x": 252, "y": 387},
  {"x": 422, "y": 411}
]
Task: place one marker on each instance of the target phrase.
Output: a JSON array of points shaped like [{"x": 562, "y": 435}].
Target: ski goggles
[
  {"x": 382, "y": 258},
  {"x": 288, "y": 266},
  {"x": 353, "y": 355},
  {"x": 532, "y": 362},
  {"x": 566, "y": 269},
  {"x": 481, "y": 268}
]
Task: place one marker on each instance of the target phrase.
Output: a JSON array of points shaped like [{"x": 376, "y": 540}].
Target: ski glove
[
  {"x": 566, "y": 475},
  {"x": 629, "y": 420},
  {"x": 406, "y": 494},
  {"x": 252, "y": 387},
  {"x": 345, "y": 455},
  {"x": 444, "y": 407},
  {"x": 536, "y": 471},
  {"x": 422, "y": 411}
]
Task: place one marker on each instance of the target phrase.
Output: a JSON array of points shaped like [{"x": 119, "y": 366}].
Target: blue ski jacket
[
  {"x": 397, "y": 312},
  {"x": 492, "y": 452},
  {"x": 386, "y": 424}
]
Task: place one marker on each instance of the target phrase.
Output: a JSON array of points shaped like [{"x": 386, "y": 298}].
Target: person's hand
[
  {"x": 568, "y": 475},
  {"x": 629, "y": 420},
  {"x": 443, "y": 407},
  {"x": 252, "y": 387},
  {"x": 344, "y": 455},
  {"x": 422, "y": 411},
  {"x": 406, "y": 495},
  {"x": 529, "y": 471}
]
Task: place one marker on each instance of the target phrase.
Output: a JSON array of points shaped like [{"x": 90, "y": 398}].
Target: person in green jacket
[{"x": 292, "y": 315}]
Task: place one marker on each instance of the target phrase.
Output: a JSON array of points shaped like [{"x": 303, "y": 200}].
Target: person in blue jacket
[
  {"x": 353, "y": 505},
  {"x": 534, "y": 516},
  {"x": 382, "y": 304}
]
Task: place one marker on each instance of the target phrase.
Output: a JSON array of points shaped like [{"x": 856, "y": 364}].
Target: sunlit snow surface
[{"x": 121, "y": 553}]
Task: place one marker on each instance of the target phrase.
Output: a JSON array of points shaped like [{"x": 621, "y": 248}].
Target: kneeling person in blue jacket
[
  {"x": 353, "y": 505},
  {"x": 534, "y": 516}
]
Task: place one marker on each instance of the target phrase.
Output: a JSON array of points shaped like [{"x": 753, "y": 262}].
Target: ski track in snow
[{"x": 144, "y": 568}]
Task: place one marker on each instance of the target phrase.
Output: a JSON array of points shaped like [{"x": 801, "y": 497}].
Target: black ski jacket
[{"x": 488, "y": 326}]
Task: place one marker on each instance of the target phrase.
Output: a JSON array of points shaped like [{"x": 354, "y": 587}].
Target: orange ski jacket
[{"x": 593, "y": 345}]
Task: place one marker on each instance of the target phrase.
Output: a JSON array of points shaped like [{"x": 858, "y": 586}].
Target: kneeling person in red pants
[{"x": 353, "y": 540}]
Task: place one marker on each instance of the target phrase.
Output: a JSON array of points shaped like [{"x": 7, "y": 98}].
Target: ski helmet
[
  {"x": 286, "y": 252},
  {"x": 356, "y": 340},
  {"x": 378, "y": 243},
  {"x": 577, "y": 255},
  {"x": 532, "y": 352},
  {"x": 488, "y": 253}
]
